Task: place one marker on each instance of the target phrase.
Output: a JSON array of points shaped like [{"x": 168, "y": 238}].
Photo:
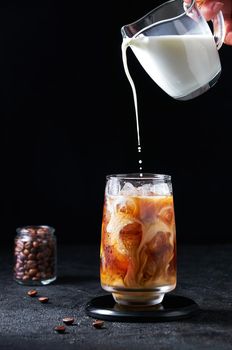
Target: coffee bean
[
  {"x": 18, "y": 249},
  {"x": 27, "y": 245},
  {"x": 31, "y": 264},
  {"x": 32, "y": 272},
  {"x": 68, "y": 320},
  {"x": 25, "y": 278},
  {"x": 17, "y": 266},
  {"x": 43, "y": 299},
  {"x": 60, "y": 329},
  {"x": 19, "y": 270},
  {"x": 21, "y": 256},
  {"x": 35, "y": 244},
  {"x": 25, "y": 269},
  {"x": 26, "y": 252},
  {"x": 19, "y": 244},
  {"x": 38, "y": 275},
  {"x": 32, "y": 292},
  {"x": 98, "y": 324},
  {"x": 19, "y": 275},
  {"x": 31, "y": 256}
]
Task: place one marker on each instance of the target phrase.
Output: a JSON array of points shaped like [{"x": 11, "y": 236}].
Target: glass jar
[{"x": 35, "y": 255}]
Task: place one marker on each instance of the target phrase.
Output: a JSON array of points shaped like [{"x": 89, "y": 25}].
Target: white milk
[
  {"x": 179, "y": 64},
  {"x": 124, "y": 60}
]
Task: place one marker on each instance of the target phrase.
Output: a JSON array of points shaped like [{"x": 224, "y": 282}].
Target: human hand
[{"x": 210, "y": 8}]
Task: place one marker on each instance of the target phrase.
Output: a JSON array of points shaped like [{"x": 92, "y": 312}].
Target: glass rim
[
  {"x": 25, "y": 229},
  {"x": 137, "y": 176},
  {"x": 188, "y": 7}
]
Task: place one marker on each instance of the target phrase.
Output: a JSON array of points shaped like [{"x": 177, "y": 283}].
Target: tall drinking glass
[{"x": 138, "y": 242}]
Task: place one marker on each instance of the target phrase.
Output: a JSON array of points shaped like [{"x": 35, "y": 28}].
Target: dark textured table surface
[{"x": 204, "y": 274}]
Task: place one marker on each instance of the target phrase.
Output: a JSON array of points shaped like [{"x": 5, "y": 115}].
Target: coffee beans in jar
[{"x": 35, "y": 255}]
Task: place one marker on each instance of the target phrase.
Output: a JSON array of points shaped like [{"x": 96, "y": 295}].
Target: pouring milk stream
[{"x": 175, "y": 46}]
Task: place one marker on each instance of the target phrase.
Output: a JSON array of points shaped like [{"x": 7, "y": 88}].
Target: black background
[{"x": 68, "y": 120}]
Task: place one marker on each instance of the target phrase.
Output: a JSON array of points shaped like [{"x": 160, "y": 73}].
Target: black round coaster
[{"x": 173, "y": 307}]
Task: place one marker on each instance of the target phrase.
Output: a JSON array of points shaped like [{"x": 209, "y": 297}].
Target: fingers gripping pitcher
[
  {"x": 138, "y": 242},
  {"x": 175, "y": 46}
]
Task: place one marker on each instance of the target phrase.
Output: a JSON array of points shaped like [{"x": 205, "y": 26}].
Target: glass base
[
  {"x": 36, "y": 283},
  {"x": 200, "y": 90},
  {"x": 139, "y": 297}
]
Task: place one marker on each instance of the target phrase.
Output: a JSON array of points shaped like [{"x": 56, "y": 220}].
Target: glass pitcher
[{"x": 176, "y": 47}]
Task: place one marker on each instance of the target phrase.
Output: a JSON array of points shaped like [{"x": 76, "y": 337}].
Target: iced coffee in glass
[{"x": 138, "y": 241}]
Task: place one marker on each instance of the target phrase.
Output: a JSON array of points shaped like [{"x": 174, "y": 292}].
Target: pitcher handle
[{"x": 219, "y": 29}]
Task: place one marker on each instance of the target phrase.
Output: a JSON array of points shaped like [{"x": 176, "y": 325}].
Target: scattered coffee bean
[
  {"x": 43, "y": 299},
  {"x": 98, "y": 324},
  {"x": 60, "y": 329},
  {"x": 68, "y": 320},
  {"x": 32, "y": 292}
]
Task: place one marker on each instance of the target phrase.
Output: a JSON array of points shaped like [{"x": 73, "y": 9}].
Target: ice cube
[
  {"x": 128, "y": 190},
  {"x": 146, "y": 190},
  {"x": 162, "y": 189},
  {"x": 158, "y": 189},
  {"x": 113, "y": 187}
]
